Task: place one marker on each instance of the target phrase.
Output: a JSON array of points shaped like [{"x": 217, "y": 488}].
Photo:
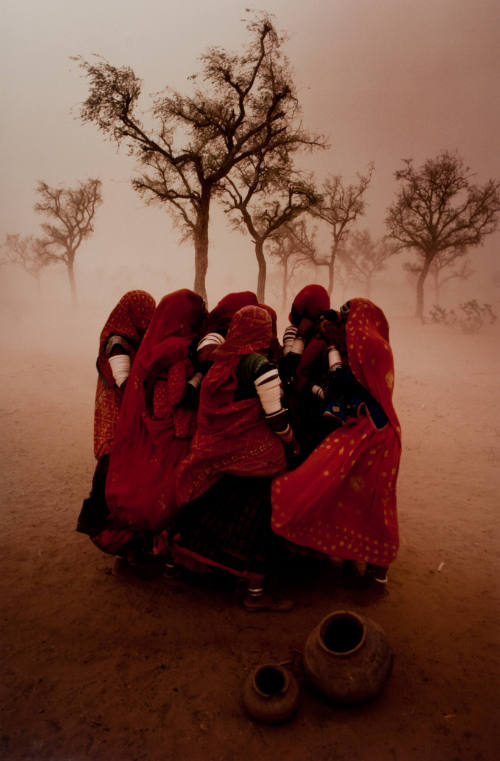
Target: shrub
[{"x": 471, "y": 318}]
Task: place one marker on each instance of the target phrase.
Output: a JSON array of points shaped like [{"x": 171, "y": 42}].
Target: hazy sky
[{"x": 382, "y": 79}]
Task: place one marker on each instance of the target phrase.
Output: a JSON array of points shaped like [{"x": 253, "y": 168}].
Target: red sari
[
  {"x": 231, "y": 436},
  {"x": 154, "y": 428},
  {"x": 129, "y": 319},
  {"x": 342, "y": 499}
]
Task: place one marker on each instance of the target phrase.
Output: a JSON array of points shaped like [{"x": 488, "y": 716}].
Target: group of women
[{"x": 218, "y": 447}]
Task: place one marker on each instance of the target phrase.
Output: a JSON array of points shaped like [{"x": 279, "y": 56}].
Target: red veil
[
  {"x": 221, "y": 315},
  {"x": 129, "y": 319},
  {"x": 309, "y": 303},
  {"x": 231, "y": 436},
  {"x": 152, "y": 437},
  {"x": 342, "y": 499}
]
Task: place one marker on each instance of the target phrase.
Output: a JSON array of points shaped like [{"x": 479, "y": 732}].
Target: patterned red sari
[
  {"x": 231, "y": 436},
  {"x": 129, "y": 319},
  {"x": 154, "y": 428},
  {"x": 342, "y": 499}
]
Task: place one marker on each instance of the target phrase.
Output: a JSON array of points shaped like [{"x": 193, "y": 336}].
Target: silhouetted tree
[
  {"x": 292, "y": 245},
  {"x": 72, "y": 213},
  {"x": 341, "y": 206},
  {"x": 445, "y": 267},
  {"x": 28, "y": 252},
  {"x": 267, "y": 198},
  {"x": 247, "y": 107},
  {"x": 439, "y": 212},
  {"x": 362, "y": 257}
]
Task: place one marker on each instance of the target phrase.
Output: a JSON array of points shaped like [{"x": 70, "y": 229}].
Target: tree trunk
[
  {"x": 419, "y": 311},
  {"x": 331, "y": 268},
  {"x": 201, "y": 245},
  {"x": 284, "y": 286},
  {"x": 71, "y": 278},
  {"x": 261, "y": 279},
  {"x": 436, "y": 287}
]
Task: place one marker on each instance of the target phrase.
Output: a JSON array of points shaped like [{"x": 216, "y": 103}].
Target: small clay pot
[
  {"x": 348, "y": 657},
  {"x": 271, "y": 694}
]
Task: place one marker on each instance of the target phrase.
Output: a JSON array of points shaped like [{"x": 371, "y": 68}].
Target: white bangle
[{"x": 120, "y": 367}]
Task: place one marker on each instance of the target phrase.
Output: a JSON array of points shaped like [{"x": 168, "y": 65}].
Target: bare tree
[
  {"x": 445, "y": 267},
  {"x": 267, "y": 198},
  {"x": 342, "y": 205},
  {"x": 362, "y": 258},
  {"x": 439, "y": 212},
  {"x": 29, "y": 252},
  {"x": 247, "y": 106},
  {"x": 72, "y": 211},
  {"x": 292, "y": 245}
]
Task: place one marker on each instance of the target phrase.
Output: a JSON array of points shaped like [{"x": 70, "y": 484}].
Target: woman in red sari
[
  {"x": 308, "y": 308},
  {"x": 342, "y": 500},
  {"x": 224, "y": 481},
  {"x": 154, "y": 429},
  {"x": 118, "y": 345}
]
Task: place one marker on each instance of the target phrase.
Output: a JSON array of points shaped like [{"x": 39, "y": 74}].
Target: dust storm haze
[{"x": 383, "y": 81}]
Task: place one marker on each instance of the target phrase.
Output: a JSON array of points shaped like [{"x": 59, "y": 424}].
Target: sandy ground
[{"x": 98, "y": 666}]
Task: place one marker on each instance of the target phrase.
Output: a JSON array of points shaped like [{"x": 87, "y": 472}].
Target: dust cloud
[{"x": 97, "y": 667}]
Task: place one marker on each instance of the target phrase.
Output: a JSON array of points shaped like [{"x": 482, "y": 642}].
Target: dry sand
[{"x": 101, "y": 667}]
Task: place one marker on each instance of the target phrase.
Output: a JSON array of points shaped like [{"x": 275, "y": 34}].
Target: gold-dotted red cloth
[
  {"x": 231, "y": 436},
  {"x": 129, "y": 319},
  {"x": 342, "y": 499}
]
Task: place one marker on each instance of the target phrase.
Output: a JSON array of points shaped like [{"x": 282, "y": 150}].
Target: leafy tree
[
  {"x": 246, "y": 107},
  {"x": 438, "y": 212},
  {"x": 341, "y": 206},
  {"x": 71, "y": 211},
  {"x": 362, "y": 257},
  {"x": 267, "y": 198}
]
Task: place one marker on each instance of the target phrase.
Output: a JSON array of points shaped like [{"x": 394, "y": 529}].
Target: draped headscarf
[
  {"x": 129, "y": 319},
  {"x": 222, "y": 314},
  {"x": 369, "y": 354},
  {"x": 231, "y": 436},
  {"x": 342, "y": 499},
  {"x": 309, "y": 303},
  {"x": 149, "y": 443}
]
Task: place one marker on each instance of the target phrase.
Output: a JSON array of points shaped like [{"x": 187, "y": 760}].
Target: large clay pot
[
  {"x": 271, "y": 694},
  {"x": 348, "y": 657}
]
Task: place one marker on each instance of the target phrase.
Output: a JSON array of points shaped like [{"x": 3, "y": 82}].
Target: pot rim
[
  {"x": 341, "y": 614},
  {"x": 276, "y": 667}
]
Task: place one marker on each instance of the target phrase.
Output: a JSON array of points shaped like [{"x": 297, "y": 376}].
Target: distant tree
[
  {"x": 439, "y": 212},
  {"x": 445, "y": 267},
  {"x": 341, "y": 206},
  {"x": 72, "y": 213},
  {"x": 362, "y": 258},
  {"x": 247, "y": 107},
  {"x": 292, "y": 245},
  {"x": 267, "y": 198},
  {"x": 28, "y": 252}
]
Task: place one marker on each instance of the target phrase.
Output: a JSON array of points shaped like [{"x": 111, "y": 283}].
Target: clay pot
[
  {"x": 271, "y": 694},
  {"x": 348, "y": 657}
]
